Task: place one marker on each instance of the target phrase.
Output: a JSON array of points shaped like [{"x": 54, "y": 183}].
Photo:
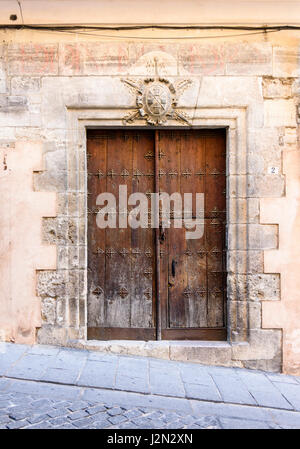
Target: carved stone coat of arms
[{"x": 156, "y": 100}]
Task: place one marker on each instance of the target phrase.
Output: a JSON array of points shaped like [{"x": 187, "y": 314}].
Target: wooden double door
[{"x": 150, "y": 283}]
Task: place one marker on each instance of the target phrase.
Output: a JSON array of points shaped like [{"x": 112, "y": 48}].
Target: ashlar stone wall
[{"x": 51, "y": 89}]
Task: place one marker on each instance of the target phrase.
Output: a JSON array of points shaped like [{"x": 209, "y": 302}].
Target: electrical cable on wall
[{"x": 76, "y": 29}]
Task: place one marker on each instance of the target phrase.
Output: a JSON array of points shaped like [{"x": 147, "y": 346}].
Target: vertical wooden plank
[
  {"x": 96, "y": 169},
  {"x": 118, "y": 268},
  {"x": 169, "y": 179},
  {"x": 142, "y": 278},
  {"x": 215, "y": 206},
  {"x": 193, "y": 151},
  {"x": 157, "y": 235}
]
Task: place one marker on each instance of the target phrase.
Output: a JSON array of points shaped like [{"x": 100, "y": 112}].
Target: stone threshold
[{"x": 217, "y": 353}]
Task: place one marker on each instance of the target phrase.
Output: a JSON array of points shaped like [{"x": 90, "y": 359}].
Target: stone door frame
[{"x": 80, "y": 118}]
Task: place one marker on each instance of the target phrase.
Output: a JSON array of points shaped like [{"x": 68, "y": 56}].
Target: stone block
[
  {"x": 48, "y": 310},
  {"x": 256, "y": 186},
  {"x": 24, "y": 84},
  {"x": 28, "y": 133},
  {"x": 266, "y": 185},
  {"x": 245, "y": 261},
  {"x": 263, "y": 344},
  {"x": 252, "y": 236},
  {"x": 216, "y": 354},
  {"x": 280, "y": 112},
  {"x": 266, "y": 139},
  {"x": 231, "y": 91},
  {"x": 243, "y": 210},
  {"x": 51, "y": 284},
  {"x": 93, "y": 58},
  {"x": 277, "y": 87},
  {"x": 50, "y": 180},
  {"x": 248, "y": 59},
  {"x": 13, "y": 103},
  {"x": 56, "y": 161},
  {"x": 52, "y": 334},
  {"x": 274, "y": 365},
  {"x": 34, "y": 59},
  {"x": 61, "y": 311},
  {"x": 289, "y": 138},
  {"x": 3, "y": 79},
  {"x": 199, "y": 59},
  {"x": 285, "y": 61},
  {"x": 260, "y": 163},
  {"x": 254, "y": 287}
]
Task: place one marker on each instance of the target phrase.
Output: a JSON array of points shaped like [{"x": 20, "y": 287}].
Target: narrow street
[{"x": 50, "y": 387}]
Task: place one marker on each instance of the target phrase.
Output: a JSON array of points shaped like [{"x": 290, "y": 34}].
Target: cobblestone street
[
  {"x": 47, "y": 387},
  {"x": 20, "y": 410}
]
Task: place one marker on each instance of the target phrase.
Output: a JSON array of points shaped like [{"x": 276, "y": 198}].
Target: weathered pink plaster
[
  {"x": 285, "y": 313},
  {"x": 21, "y": 249}
]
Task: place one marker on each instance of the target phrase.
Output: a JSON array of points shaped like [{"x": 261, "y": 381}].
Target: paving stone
[
  {"x": 156, "y": 423},
  {"x": 100, "y": 423},
  {"x": 154, "y": 415},
  {"x": 127, "y": 383},
  {"x": 45, "y": 390},
  {"x": 263, "y": 391},
  {"x": 83, "y": 423},
  {"x": 125, "y": 425},
  {"x": 235, "y": 423},
  {"x": 63, "y": 376},
  {"x": 282, "y": 378},
  {"x": 286, "y": 419},
  {"x": 232, "y": 410},
  {"x": 44, "y": 350},
  {"x": 59, "y": 421},
  {"x": 77, "y": 406},
  {"x": 18, "y": 415},
  {"x": 114, "y": 411},
  {"x": 4, "y": 419},
  {"x": 175, "y": 425},
  {"x": 98, "y": 374},
  {"x": 143, "y": 423},
  {"x": 16, "y": 424},
  {"x": 78, "y": 414},
  {"x": 41, "y": 425},
  {"x": 132, "y": 413},
  {"x": 95, "y": 409},
  {"x": 30, "y": 367},
  {"x": 41, "y": 403},
  {"x": 54, "y": 413},
  {"x": 37, "y": 418},
  {"x": 232, "y": 389},
  {"x": 165, "y": 382},
  {"x": 3, "y": 384},
  {"x": 3, "y": 404},
  {"x": 204, "y": 392},
  {"x": 291, "y": 392},
  {"x": 67, "y": 426},
  {"x": 117, "y": 419},
  {"x": 62, "y": 404},
  {"x": 208, "y": 422}
]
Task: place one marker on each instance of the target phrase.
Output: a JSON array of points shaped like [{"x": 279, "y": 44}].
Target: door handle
[{"x": 173, "y": 268}]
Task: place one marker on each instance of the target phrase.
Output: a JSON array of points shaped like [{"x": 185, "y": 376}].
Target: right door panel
[{"x": 193, "y": 271}]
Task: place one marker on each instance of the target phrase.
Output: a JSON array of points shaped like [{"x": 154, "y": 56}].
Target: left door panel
[{"x": 121, "y": 261}]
